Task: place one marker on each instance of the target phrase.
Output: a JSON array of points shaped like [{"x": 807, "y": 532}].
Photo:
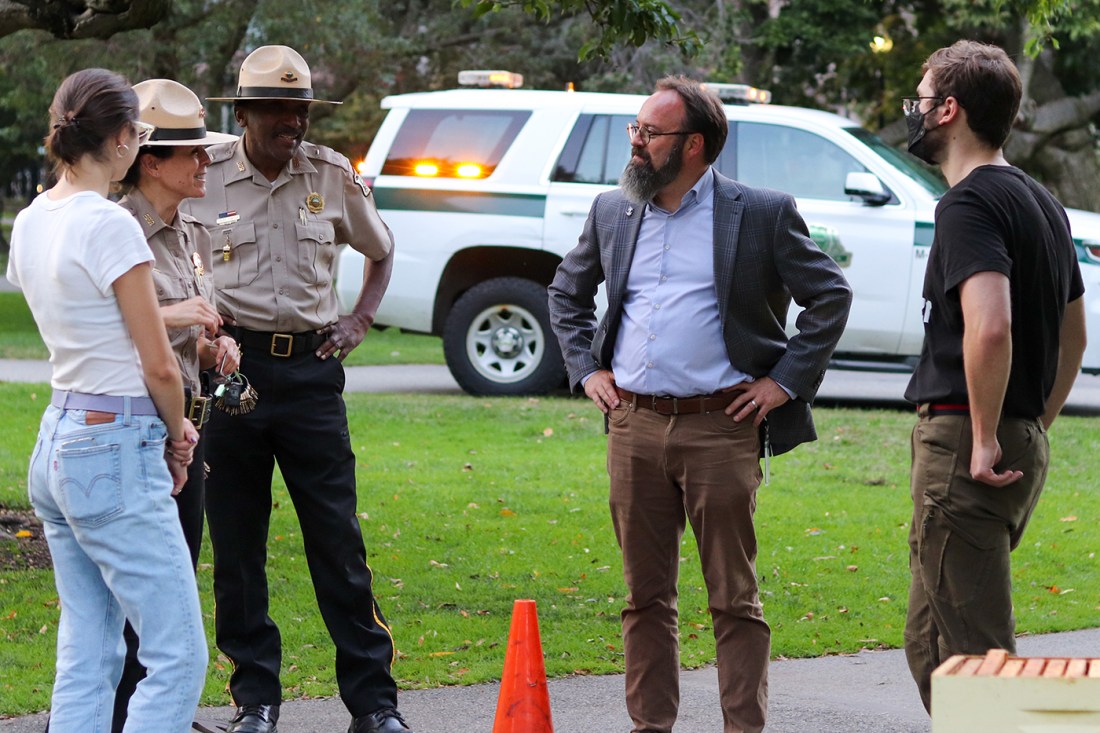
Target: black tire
[{"x": 497, "y": 340}]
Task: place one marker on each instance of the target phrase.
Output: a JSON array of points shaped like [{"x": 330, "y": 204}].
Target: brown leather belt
[{"x": 697, "y": 405}]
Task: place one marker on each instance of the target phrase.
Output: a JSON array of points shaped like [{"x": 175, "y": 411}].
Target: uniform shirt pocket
[
  {"x": 243, "y": 266},
  {"x": 171, "y": 288},
  {"x": 316, "y": 251}
]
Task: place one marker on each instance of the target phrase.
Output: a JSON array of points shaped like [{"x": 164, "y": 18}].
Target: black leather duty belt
[
  {"x": 282, "y": 345},
  {"x": 196, "y": 408}
]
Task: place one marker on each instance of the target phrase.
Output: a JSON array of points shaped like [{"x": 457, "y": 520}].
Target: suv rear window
[{"x": 446, "y": 143}]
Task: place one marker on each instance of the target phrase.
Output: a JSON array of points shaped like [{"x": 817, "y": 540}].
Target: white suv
[{"x": 487, "y": 189}]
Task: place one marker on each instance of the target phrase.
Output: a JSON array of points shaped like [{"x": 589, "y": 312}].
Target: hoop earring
[{"x": 120, "y": 148}]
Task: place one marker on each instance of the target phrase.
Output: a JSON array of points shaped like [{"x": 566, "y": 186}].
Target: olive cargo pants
[{"x": 960, "y": 600}]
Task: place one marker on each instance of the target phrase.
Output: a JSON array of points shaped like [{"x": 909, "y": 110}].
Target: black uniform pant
[
  {"x": 189, "y": 502},
  {"x": 300, "y": 423}
]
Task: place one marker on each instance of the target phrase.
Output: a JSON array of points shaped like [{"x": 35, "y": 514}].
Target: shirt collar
[
  {"x": 703, "y": 188},
  {"x": 240, "y": 167}
]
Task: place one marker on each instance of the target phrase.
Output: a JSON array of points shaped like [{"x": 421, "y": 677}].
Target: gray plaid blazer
[{"x": 763, "y": 258}]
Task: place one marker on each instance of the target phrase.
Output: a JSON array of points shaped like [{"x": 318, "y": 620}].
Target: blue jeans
[{"x": 103, "y": 493}]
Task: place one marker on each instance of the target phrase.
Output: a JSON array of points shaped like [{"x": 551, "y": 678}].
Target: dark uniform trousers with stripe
[{"x": 300, "y": 422}]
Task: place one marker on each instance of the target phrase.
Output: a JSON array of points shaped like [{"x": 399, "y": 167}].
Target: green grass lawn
[
  {"x": 467, "y": 504},
  {"x": 19, "y": 339}
]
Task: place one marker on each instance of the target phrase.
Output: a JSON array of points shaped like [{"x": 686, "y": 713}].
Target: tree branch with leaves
[
  {"x": 69, "y": 19},
  {"x": 620, "y": 22}
]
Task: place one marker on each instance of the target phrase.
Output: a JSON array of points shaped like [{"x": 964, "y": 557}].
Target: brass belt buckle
[
  {"x": 275, "y": 344},
  {"x": 198, "y": 411}
]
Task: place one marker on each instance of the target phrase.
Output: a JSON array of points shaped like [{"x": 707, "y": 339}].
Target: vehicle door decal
[
  {"x": 922, "y": 233},
  {"x": 828, "y": 239}
]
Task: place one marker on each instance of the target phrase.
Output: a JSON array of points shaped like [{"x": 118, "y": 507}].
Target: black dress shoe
[
  {"x": 386, "y": 720},
  {"x": 254, "y": 719}
]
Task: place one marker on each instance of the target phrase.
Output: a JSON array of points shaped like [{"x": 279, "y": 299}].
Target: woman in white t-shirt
[{"x": 114, "y": 442}]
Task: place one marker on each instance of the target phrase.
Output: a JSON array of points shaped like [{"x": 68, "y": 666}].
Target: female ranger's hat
[
  {"x": 176, "y": 113},
  {"x": 274, "y": 72}
]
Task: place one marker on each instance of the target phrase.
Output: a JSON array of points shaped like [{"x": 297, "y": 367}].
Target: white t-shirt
[{"x": 66, "y": 255}]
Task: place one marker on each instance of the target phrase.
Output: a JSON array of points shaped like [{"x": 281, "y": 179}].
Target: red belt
[
  {"x": 697, "y": 405},
  {"x": 944, "y": 408}
]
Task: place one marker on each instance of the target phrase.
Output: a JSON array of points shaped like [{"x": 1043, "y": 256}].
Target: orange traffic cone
[{"x": 524, "y": 703}]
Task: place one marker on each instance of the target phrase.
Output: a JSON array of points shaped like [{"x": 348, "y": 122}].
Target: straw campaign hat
[
  {"x": 274, "y": 72},
  {"x": 176, "y": 113}
]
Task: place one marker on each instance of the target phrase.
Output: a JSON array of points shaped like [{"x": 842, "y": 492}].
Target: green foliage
[
  {"x": 467, "y": 504},
  {"x": 626, "y": 22},
  {"x": 806, "y": 43},
  {"x": 814, "y": 54}
]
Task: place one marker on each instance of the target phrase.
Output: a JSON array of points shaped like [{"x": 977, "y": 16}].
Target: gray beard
[{"x": 640, "y": 182}]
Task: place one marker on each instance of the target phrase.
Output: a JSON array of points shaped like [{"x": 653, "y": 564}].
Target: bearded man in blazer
[{"x": 697, "y": 379}]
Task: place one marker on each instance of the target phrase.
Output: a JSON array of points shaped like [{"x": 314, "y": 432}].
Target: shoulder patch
[{"x": 358, "y": 180}]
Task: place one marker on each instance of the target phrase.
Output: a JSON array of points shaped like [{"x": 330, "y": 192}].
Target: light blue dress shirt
[{"x": 670, "y": 340}]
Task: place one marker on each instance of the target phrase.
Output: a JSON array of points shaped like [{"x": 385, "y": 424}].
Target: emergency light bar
[
  {"x": 490, "y": 79},
  {"x": 740, "y": 93}
]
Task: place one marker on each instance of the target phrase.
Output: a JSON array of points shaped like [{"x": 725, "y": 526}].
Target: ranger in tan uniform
[
  {"x": 276, "y": 209},
  {"x": 170, "y": 167}
]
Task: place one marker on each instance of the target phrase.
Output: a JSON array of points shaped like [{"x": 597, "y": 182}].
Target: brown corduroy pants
[{"x": 705, "y": 468}]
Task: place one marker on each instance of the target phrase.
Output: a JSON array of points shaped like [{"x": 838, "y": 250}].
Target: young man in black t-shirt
[{"x": 1004, "y": 335}]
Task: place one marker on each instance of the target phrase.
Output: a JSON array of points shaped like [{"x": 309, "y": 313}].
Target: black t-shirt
[{"x": 998, "y": 219}]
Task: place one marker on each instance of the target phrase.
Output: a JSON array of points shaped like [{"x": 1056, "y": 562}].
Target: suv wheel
[{"x": 497, "y": 339}]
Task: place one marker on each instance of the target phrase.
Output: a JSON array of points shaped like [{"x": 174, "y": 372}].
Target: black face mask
[{"x": 918, "y": 145}]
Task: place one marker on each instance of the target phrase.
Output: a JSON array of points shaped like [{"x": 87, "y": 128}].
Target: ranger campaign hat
[
  {"x": 274, "y": 72},
  {"x": 177, "y": 114}
]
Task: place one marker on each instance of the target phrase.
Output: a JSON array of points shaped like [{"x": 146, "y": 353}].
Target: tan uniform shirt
[
  {"x": 181, "y": 271},
  {"x": 275, "y": 242}
]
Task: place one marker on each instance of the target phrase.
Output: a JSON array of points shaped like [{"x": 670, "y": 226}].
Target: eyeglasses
[
  {"x": 645, "y": 135},
  {"x": 911, "y": 105},
  {"x": 144, "y": 131}
]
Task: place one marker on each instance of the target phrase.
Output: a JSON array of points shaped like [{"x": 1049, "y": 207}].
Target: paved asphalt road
[{"x": 840, "y": 387}]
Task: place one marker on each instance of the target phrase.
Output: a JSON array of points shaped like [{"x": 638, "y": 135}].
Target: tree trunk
[
  {"x": 1066, "y": 163},
  {"x": 88, "y": 19}
]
